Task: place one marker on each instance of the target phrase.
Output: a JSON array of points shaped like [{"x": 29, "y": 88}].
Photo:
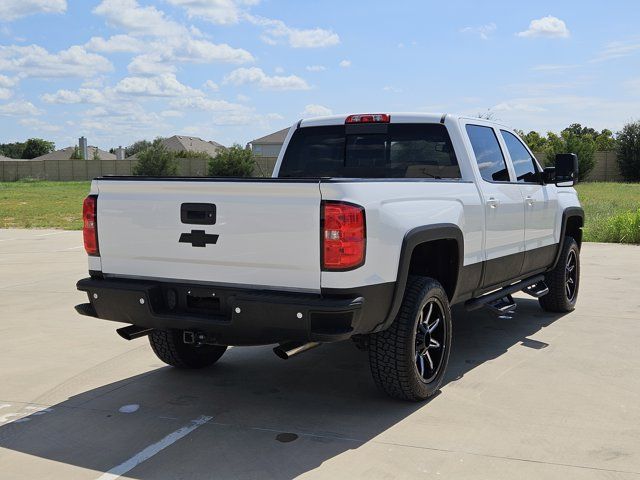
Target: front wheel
[
  {"x": 563, "y": 281},
  {"x": 169, "y": 346},
  {"x": 408, "y": 360}
]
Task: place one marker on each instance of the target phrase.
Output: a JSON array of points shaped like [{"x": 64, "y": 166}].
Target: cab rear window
[{"x": 371, "y": 151}]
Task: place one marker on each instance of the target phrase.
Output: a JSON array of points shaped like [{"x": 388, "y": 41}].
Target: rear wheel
[
  {"x": 563, "y": 281},
  {"x": 169, "y": 346},
  {"x": 409, "y": 359}
]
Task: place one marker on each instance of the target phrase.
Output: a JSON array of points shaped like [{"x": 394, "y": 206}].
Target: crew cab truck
[{"x": 371, "y": 228}]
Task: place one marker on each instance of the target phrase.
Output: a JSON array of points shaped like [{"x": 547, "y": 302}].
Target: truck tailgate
[{"x": 268, "y": 232}]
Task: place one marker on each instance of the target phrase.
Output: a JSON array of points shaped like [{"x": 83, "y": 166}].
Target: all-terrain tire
[
  {"x": 564, "y": 280},
  {"x": 169, "y": 346},
  {"x": 393, "y": 353}
]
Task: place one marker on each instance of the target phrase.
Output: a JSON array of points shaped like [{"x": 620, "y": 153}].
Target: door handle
[
  {"x": 530, "y": 201},
  {"x": 493, "y": 202}
]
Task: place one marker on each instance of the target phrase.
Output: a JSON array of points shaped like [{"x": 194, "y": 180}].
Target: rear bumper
[{"x": 229, "y": 316}]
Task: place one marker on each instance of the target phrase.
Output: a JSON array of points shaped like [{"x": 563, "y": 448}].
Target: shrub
[
  {"x": 232, "y": 162},
  {"x": 156, "y": 161},
  {"x": 570, "y": 142},
  {"x": 628, "y": 143},
  {"x": 621, "y": 228}
]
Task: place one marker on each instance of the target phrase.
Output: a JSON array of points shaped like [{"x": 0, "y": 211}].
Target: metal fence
[{"x": 606, "y": 168}]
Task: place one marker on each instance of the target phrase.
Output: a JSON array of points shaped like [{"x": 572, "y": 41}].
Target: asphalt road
[{"x": 534, "y": 396}]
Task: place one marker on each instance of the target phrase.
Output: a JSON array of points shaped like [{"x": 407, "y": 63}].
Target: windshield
[{"x": 371, "y": 151}]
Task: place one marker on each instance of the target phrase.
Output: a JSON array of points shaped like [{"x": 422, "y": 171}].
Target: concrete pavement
[{"x": 535, "y": 396}]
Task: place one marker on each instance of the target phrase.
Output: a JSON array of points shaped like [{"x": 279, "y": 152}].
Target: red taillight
[
  {"x": 90, "y": 225},
  {"x": 369, "y": 118},
  {"x": 344, "y": 236}
]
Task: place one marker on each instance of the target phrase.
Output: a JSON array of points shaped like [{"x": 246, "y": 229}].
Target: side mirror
[{"x": 566, "y": 169}]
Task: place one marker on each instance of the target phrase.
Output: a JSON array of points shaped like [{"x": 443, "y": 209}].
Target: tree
[
  {"x": 156, "y": 161},
  {"x": 77, "y": 154},
  {"x": 96, "y": 155},
  {"x": 12, "y": 150},
  {"x": 534, "y": 140},
  {"x": 628, "y": 150},
  {"x": 605, "y": 140},
  {"x": 136, "y": 147},
  {"x": 34, "y": 147},
  {"x": 232, "y": 162},
  {"x": 570, "y": 141}
]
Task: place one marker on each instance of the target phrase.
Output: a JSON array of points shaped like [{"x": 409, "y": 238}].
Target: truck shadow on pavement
[{"x": 269, "y": 418}]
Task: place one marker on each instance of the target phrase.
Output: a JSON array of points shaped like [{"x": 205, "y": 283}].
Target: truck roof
[{"x": 395, "y": 117}]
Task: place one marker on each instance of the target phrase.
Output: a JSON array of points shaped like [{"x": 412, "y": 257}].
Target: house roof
[
  {"x": 2, "y": 157},
  {"x": 275, "y": 138},
  {"x": 183, "y": 143},
  {"x": 65, "y": 154}
]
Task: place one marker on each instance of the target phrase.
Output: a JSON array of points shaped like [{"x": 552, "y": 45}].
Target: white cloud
[
  {"x": 617, "y": 49},
  {"x": 35, "y": 61},
  {"x": 552, "y": 67},
  {"x": 390, "y": 88},
  {"x": 483, "y": 31},
  {"x": 225, "y": 113},
  {"x": 137, "y": 20},
  {"x": 549, "y": 26},
  {"x": 116, "y": 43},
  {"x": 13, "y": 9},
  {"x": 165, "y": 85},
  {"x": 516, "y": 106},
  {"x": 295, "y": 37},
  {"x": 150, "y": 64},
  {"x": 8, "y": 82},
  {"x": 316, "y": 68},
  {"x": 278, "y": 70},
  {"x": 39, "y": 125},
  {"x": 256, "y": 76},
  {"x": 19, "y": 108},
  {"x": 243, "y": 98},
  {"x": 207, "y": 104},
  {"x": 82, "y": 95},
  {"x": 203, "y": 51},
  {"x": 314, "y": 110},
  {"x": 211, "y": 85},
  {"x": 345, "y": 63},
  {"x": 5, "y": 93},
  {"x": 220, "y": 12}
]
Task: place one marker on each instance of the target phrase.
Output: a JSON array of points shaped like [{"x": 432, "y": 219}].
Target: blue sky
[{"x": 233, "y": 70}]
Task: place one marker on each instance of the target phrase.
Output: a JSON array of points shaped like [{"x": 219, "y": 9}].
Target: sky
[{"x": 117, "y": 71}]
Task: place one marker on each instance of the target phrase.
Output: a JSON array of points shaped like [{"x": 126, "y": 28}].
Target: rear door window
[
  {"x": 486, "y": 148},
  {"x": 371, "y": 151}
]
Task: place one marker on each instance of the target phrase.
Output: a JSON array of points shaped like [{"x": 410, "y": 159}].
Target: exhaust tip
[
  {"x": 287, "y": 350},
  {"x": 280, "y": 352}
]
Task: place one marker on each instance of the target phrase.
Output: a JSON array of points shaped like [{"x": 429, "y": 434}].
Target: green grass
[
  {"x": 38, "y": 204},
  {"x": 612, "y": 209}
]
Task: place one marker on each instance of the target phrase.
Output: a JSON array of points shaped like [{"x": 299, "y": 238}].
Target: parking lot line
[{"x": 151, "y": 450}]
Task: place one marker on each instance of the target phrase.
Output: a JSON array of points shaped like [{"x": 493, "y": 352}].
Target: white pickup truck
[{"x": 372, "y": 226}]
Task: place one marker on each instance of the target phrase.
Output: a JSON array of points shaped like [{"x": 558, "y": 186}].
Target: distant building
[
  {"x": 66, "y": 153},
  {"x": 183, "y": 143},
  {"x": 269, "y": 145}
]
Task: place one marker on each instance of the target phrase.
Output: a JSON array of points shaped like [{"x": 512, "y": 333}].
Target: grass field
[
  {"x": 42, "y": 204},
  {"x": 612, "y": 209}
]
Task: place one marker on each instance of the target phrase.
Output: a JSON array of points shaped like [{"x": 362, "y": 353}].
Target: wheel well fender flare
[
  {"x": 413, "y": 238},
  {"x": 567, "y": 214}
]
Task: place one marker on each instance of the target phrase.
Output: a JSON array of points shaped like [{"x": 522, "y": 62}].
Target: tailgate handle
[{"x": 198, "y": 213}]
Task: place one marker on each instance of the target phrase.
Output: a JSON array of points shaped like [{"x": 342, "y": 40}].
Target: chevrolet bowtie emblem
[{"x": 198, "y": 238}]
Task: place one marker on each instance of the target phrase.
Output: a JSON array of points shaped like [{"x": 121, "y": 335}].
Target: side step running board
[
  {"x": 493, "y": 297},
  {"x": 503, "y": 306},
  {"x": 537, "y": 290}
]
